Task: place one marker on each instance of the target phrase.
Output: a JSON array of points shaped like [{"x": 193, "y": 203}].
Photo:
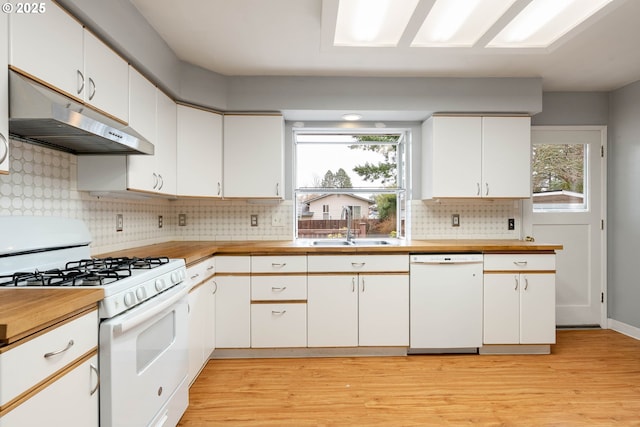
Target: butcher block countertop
[
  {"x": 25, "y": 311},
  {"x": 193, "y": 251}
]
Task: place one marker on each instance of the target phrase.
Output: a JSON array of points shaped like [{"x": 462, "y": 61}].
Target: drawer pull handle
[
  {"x": 278, "y": 313},
  {"x": 278, "y": 264},
  {"x": 357, "y": 264},
  {"x": 94, "y": 369},
  {"x": 211, "y": 267},
  {"x": 278, "y": 289},
  {"x": 55, "y": 353},
  {"x": 194, "y": 276},
  {"x": 520, "y": 262}
]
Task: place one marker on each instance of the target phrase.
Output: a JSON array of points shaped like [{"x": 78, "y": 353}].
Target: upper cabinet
[
  {"x": 199, "y": 157},
  {"x": 4, "y": 94},
  {"x": 55, "y": 49},
  {"x": 253, "y": 156},
  {"x": 476, "y": 157}
]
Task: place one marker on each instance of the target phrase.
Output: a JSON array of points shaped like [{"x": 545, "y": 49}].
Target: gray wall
[
  {"x": 623, "y": 212},
  {"x": 573, "y": 109}
]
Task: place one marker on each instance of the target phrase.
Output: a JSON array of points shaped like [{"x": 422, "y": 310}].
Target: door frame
[{"x": 527, "y": 209}]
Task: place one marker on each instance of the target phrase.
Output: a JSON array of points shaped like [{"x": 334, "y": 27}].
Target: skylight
[{"x": 459, "y": 23}]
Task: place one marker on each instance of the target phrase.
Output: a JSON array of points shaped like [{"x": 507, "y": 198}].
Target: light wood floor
[{"x": 592, "y": 378}]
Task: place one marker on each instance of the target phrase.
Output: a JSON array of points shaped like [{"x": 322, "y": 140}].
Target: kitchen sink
[{"x": 356, "y": 242}]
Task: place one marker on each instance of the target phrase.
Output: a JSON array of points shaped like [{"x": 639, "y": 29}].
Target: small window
[
  {"x": 361, "y": 170},
  {"x": 558, "y": 177}
]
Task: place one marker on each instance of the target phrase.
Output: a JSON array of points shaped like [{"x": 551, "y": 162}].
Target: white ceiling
[{"x": 294, "y": 38}]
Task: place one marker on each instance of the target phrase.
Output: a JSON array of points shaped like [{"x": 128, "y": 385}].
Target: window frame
[{"x": 402, "y": 162}]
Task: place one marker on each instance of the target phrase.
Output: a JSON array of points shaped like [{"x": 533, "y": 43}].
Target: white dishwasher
[{"x": 445, "y": 303}]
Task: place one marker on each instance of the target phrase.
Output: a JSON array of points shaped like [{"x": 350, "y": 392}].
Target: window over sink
[{"x": 359, "y": 170}]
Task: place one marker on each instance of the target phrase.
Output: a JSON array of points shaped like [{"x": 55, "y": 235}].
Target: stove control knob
[
  {"x": 141, "y": 293},
  {"x": 160, "y": 285},
  {"x": 175, "y": 277},
  {"x": 129, "y": 299}
]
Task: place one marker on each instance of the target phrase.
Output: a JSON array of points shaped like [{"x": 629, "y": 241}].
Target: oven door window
[{"x": 154, "y": 341}]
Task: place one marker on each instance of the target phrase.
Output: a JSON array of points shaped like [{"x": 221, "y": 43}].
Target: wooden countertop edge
[
  {"x": 194, "y": 251},
  {"x": 25, "y": 311}
]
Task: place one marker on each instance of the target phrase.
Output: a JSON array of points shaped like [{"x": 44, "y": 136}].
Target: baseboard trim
[
  {"x": 515, "y": 349},
  {"x": 623, "y": 328},
  {"x": 259, "y": 353}
]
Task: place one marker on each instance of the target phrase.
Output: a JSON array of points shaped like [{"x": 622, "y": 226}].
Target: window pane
[{"x": 558, "y": 177}]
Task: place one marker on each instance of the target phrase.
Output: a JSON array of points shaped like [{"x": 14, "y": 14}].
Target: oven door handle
[{"x": 158, "y": 308}]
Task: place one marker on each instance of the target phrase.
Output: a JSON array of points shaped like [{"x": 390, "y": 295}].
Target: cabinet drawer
[
  {"x": 357, "y": 263},
  {"x": 30, "y": 363},
  {"x": 233, "y": 264},
  {"x": 515, "y": 262},
  {"x": 267, "y": 288},
  {"x": 201, "y": 271},
  {"x": 278, "y": 325},
  {"x": 279, "y": 264}
]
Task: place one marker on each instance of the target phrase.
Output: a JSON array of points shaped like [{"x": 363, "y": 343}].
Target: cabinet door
[
  {"x": 501, "y": 309},
  {"x": 4, "y": 94},
  {"x": 506, "y": 157},
  {"x": 537, "y": 308},
  {"x": 107, "y": 78},
  {"x": 142, "y": 169},
  {"x": 197, "y": 318},
  {"x": 451, "y": 159},
  {"x": 48, "y": 46},
  {"x": 71, "y": 401},
  {"x": 383, "y": 310},
  {"x": 332, "y": 311},
  {"x": 210, "y": 291},
  {"x": 278, "y": 325},
  {"x": 233, "y": 312},
  {"x": 253, "y": 156},
  {"x": 165, "y": 146},
  {"x": 199, "y": 157}
]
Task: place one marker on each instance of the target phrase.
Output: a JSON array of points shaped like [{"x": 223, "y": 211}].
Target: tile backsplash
[{"x": 43, "y": 182}]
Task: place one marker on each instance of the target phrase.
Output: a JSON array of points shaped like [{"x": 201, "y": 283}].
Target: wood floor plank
[{"x": 592, "y": 378}]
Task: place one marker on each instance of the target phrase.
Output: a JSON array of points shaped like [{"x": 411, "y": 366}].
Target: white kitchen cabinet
[
  {"x": 253, "y": 156},
  {"x": 106, "y": 85},
  {"x": 476, "y": 157},
  {"x": 70, "y": 401},
  {"x": 49, "y": 47},
  {"x": 367, "y": 308},
  {"x": 142, "y": 105},
  {"x": 519, "y": 299},
  {"x": 278, "y": 301},
  {"x": 156, "y": 173},
  {"x": 279, "y": 324},
  {"x": 201, "y": 326},
  {"x": 4, "y": 94},
  {"x": 199, "y": 154},
  {"x": 233, "y": 302},
  {"x": 52, "y": 377},
  {"x": 55, "y": 48}
]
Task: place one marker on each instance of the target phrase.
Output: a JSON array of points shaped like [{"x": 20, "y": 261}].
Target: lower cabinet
[
  {"x": 233, "y": 302},
  {"x": 279, "y": 325},
  {"x": 202, "y": 305},
  {"x": 519, "y": 308},
  {"x": 70, "y": 401},
  {"x": 519, "y": 299},
  {"x": 358, "y": 310}
]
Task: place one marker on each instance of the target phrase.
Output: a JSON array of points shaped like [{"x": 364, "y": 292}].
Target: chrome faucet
[{"x": 348, "y": 215}]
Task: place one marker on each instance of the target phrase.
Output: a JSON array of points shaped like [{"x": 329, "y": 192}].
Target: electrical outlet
[
  {"x": 160, "y": 221},
  {"x": 511, "y": 224},
  {"x": 182, "y": 220},
  {"x": 254, "y": 220},
  {"x": 455, "y": 220},
  {"x": 276, "y": 221},
  {"x": 119, "y": 222}
]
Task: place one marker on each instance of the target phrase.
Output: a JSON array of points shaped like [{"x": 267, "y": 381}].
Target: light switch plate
[
  {"x": 119, "y": 222},
  {"x": 455, "y": 220}
]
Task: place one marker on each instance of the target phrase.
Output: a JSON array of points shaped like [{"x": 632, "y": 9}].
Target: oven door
[{"x": 144, "y": 363}]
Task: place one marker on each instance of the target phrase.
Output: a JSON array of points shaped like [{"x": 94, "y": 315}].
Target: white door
[{"x": 572, "y": 216}]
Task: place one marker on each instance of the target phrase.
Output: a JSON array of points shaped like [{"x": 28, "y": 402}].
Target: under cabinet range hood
[{"x": 43, "y": 116}]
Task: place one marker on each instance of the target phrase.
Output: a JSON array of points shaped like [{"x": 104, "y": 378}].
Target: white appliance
[
  {"x": 445, "y": 303},
  {"x": 143, "y": 353}
]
